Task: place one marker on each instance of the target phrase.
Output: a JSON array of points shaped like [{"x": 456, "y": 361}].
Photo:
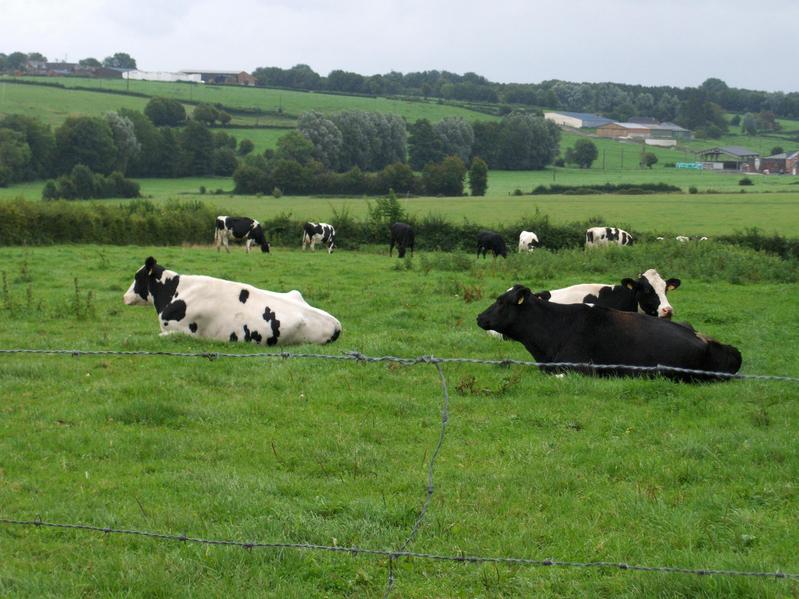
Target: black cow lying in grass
[{"x": 585, "y": 334}]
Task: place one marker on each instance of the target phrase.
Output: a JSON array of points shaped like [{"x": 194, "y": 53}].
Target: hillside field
[{"x": 641, "y": 471}]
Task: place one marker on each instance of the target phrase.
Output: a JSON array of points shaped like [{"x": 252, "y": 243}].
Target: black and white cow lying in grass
[
  {"x": 602, "y": 236},
  {"x": 579, "y": 333},
  {"x": 239, "y": 228},
  {"x": 646, "y": 294},
  {"x": 314, "y": 233},
  {"x": 228, "y": 311}
]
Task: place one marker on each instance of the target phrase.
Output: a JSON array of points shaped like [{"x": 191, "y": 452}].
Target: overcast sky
[{"x": 657, "y": 42}]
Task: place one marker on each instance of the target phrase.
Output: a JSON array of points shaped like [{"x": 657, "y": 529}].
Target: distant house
[
  {"x": 729, "y": 158},
  {"x": 785, "y": 163},
  {"x": 222, "y": 77},
  {"x": 577, "y": 120},
  {"x": 643, "y": 120}
]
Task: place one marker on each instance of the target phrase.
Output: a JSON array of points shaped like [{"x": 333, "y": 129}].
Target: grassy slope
[{"x": 639, "y": 471}]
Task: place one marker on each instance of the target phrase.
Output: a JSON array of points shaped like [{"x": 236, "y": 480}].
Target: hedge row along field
[{"x": 142, "y": 222}]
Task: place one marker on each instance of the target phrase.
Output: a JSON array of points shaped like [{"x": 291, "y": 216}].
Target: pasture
[{"x": 336, "y": 453}]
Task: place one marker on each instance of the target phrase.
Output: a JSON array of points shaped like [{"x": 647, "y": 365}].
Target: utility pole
[
  {"x": 622, "y": 158},
  {"x": 604, "y": 151}
]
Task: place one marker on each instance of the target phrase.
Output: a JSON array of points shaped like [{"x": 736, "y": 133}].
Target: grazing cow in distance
[
  {"x": 645, "y": 294},
  {"x": 403, "y": 236},
  {"x": 228, "y": 311},
  {"x": 488, "y": 240},
  {"x": 239, "y": 228},
  {"x": 314, "y": 233},
  {"x": 602, "y": 236},
  {"x": 528, "y": 241},
  {"x": 584, "y": 334}
]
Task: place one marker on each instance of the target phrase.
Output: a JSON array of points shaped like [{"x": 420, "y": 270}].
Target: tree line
[
  {"x": 618, "y": 101},
  {"x": 18, "y": 61}
]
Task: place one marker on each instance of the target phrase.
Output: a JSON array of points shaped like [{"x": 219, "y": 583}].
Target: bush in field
[
  {"x": 165, "y": 112},
  {"x": 745, "y": 181},
  {"x": 245, "y": 147},
  {"x": 478, "y": 177},
  {"x": 444, "y": 178},
  {"x": 83, "y": 184},
  {"x": 648, "y": 159},
  {"x": 582, "y": 154}
]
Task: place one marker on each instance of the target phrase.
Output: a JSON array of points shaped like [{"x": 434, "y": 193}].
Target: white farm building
[
  {"x": 577, "y": 120},
  {"x": 161, "y": 76}
]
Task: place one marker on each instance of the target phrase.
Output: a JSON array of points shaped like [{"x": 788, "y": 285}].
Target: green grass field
[{"x": 642, "y": 471}]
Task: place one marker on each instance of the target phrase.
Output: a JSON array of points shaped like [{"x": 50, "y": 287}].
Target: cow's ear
[
  {"x": 672, "y": 284},
  {"x": 149, "y": 264},
  {"x": 521, "y": 295},
  {"x": 629, "y": 283}
]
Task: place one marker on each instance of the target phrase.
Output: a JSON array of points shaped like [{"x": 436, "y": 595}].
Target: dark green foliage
[
  {"x": 745, "y": 181},
  {"x": 196, "y": 150},
  {"x": 40, "y": 140},
  {"x": 295, "y": 146},
  {"x": 582, "y": 154},
  {"x": 777, "y": 150},
  {"x": 478, "y": 177},
  {"x": 224, "y": 162},
  {"x": 245, "y": 147},
  {"x": 556, "y": 189},
  {"x": 527, "y": 142},
  {"x": 139, "y": 222},
  {"x": 208, "y": 114},
  {"x": 120, "y": 60},
  {"x": 486, "y": 141},
  {"x": 699, "y": 113},
  {"x": 165, "y": 112},
  {"x": 15, "y": 157},
  {"x": 648, "y": 159},
  {"x": 773, "y": 244},
  {"x": 82, "y": 184},
  {"x": 424, "y": 146},
  {"x": 85, "y": 140},
  {"x": 444, "y": 178}
]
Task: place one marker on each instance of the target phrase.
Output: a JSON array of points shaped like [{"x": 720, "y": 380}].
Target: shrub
[
  {"x": 746, "y": 181},
  {"x": 693, "y": 189}
]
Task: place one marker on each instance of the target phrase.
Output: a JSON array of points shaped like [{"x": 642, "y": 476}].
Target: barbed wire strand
[
  {"x": 408, "y": 361},
  {"x": 387, "y": 553},
  {"x": 430, "y": 488}
]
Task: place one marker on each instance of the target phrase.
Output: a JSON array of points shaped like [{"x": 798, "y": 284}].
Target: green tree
[
  {"x": 749, "y": 124},
  {"x": 224, "y": 162},
  {"x": 325, "y": 136},
  {"x": 527, "y": 142},
  {"x": 456, "y": 136},
  {"x": 245, "y": 147},
  {"x": 83, "y": 182},
  {"x": 40, "y": 140},
  {"x": 205, "y": 114},
  {"x": 165, "y": 112},
  {"x": 147, "y": 162},
  {"x": 124, "y": 134},
  {"x": 583, "y": 154},
  {"x": 85, "y": 140},
  {"x": 648, "y": 159},
  {"x": 120, "y": 60},
  {"x": 16, "y": 61},
  {"x": 478, "y": 177},
  {"x": 486, "y": 141},
  {"x": 445, "y": 177},
  {"x": 424, "y": 146},
  {"x": 15, "y": 156},
  {"x": 294, "y": 146},
  {"x": 196, "y": 150},
  {"x": 90, "y": 62},
  {"x": 777, "y": 150}
]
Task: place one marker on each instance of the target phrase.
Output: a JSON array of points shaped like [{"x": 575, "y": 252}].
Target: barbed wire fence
[{"x": 402, "y": 551}]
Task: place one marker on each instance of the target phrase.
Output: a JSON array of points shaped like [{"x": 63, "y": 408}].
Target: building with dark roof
[
  {"x": 577, "y": 120},
  {"x": 784, "y": 163},
  {"x": 729, "y": 158}
]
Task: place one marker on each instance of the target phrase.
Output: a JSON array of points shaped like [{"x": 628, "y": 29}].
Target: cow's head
[
  {"x": 138, "y": 294},
  {"x": 506, "y": 311},
  {"x": 257, "y": 235},
  {"x": 650, "y": 293}
]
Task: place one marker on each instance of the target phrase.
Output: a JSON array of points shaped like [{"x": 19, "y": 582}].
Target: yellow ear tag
[
  {"x": 630, "y": 286},
  {"x": 521, "y": 300}
]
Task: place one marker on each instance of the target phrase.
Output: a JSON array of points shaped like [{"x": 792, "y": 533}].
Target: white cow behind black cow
[
  {"x": 528, "y": 241},
  {"x": 602, "y": 236},
  {"x": 227, "y": 310},
  {"x": 239, "y": 228},
  {"x": 645, "y": 295},
  {"x": 314, "y": 233}
]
